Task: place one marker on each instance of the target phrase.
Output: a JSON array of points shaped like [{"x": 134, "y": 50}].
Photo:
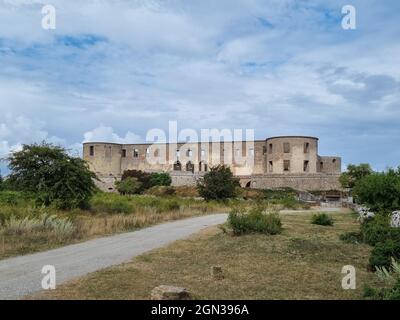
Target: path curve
[{"x": 21, "y": 276}]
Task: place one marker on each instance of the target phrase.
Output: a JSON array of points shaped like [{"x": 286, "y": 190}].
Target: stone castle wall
[{"x": 288, "y": 161}]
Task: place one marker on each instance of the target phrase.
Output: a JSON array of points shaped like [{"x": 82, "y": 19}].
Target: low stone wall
[
  {"x": 309, "y": 182},
  {"x": 184, "y": 178}
]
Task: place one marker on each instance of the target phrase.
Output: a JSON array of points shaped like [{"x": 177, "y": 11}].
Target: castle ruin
[{"x": 277, "y": 162}]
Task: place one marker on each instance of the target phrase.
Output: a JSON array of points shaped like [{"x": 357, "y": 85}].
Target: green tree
[
  {"x": 129, "y": 186},
  {"x": 52, "y": 176},
  {"x": 354, "y": 173},
  {"x": 218, "y": 183},
  {"x": 141, "y": 176},
  {"x": 380, "y": 191},
  {"x": 160, "y": 179},
  {"x": 1, "y": 183}
]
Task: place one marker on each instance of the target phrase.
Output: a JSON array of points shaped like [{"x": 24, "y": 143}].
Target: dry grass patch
[{"x": 304, "y": 262}]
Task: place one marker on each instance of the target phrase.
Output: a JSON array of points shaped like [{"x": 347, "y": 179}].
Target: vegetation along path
[{"x": 21, "y": 276}]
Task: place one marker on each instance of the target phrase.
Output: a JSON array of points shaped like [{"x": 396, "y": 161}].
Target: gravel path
[{"x": 22, "y": 275}]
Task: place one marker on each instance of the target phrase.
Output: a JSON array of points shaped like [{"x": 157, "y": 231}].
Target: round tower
[{"x": 292, "y": 154}]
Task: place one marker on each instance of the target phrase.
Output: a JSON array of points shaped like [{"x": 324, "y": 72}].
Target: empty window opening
[
  {"x": 271, "y": 166},
  {"x": 248, "y": 184},
  {"x": 189, "y": 153},
  {"x": 321, "y": 166},
  {"x": 136, "y": 153},
  {"x": 189, "y": 167},
  {"x": 286, "y": 147},
  {"x": 306, "y": 166},
  {"x": 306, "y": 147},
  {"x": 177, "y": 153},
  {"x": 334, "y": 161},
  {"x": 177, "y": 166},
  {"x": 286, "y": 165},
  {"x": 123, "y": 153},
  {"x": 91, "y": 151}
]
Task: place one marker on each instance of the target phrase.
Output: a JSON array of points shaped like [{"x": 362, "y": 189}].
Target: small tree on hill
[
  {"x": 54, "y": 177},
  {"x": 380, "y": 191},
  {"x": 354, "y": 173},
  {"x": 129, "y": 186},
  {"x": 160, "y": 179},
  {"x": 218, "y": 183}
]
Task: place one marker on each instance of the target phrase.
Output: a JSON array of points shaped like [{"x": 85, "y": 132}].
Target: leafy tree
[
  {"x": 354, "y": 173},
  {"x": 380, "y": 191},
  {"x": 218, "y": 183},
  {"x": 129, "y": 186},
  {"x": 160, "y": 179},
  {"x": 54, "y": 177},
  {"x": 141, "y": 176},
  {"x": 1, "y": 183}
]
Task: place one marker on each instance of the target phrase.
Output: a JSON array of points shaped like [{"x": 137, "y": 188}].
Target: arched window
[
  {"x": 189, "y": 167},
  {"x": 177, "y": 166}
]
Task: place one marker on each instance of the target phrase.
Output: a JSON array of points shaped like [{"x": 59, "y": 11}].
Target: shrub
[
  {"x": 52, "y": 175},
  {"x": 141, "y": 176},
  {"x": 354, "y": 174},
  {"x": 254, "y": 221},
  {"x": 382, "y": 254},
  {"x": 12, "y": 198},
  {"x": 218, "y": 183},
  {"x": 322, "y": 219},
  {"x": 392, "y": 278},
  {"x": 161, "y": 191},
  {"x": 352, "y": 237},
  {"x": 128, "y": 186},
  {"x": 376, "y": 229},
  {"x": 160, "y": 179},
  {"x": 380, "y": 191}
]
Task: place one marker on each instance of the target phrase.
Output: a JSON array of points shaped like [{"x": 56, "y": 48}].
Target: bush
[
  {"x": 354, "y": 174},
  {"x": 141, "y": 176},
  {"x": 218, "y": 183},
  {"x": 382, "y": 254},
  {"x": 160, "y": 179},
  {"x": 392, "y": 278},
  {"x": 128, "y": 186},
  {"x": 254, "y": 221},
  {"x": 52, "y": 175},
  {"x": 352, "y": 237},
  {"x": 379, "y": 191},
  {"x": 322, "y": 219},
  {"x": 376, "y": 230}
]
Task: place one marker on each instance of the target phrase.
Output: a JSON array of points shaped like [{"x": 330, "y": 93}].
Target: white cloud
[{"x": 107, "y": 134}]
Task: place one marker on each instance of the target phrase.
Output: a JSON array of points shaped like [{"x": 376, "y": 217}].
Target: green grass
[{"x": 303, "y": 262}]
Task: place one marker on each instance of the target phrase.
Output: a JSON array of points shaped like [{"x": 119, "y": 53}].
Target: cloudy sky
[{"x": 113, "y": 69}]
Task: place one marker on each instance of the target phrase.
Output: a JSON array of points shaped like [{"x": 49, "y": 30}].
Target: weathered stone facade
[{"x": 288, "y": 161}]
